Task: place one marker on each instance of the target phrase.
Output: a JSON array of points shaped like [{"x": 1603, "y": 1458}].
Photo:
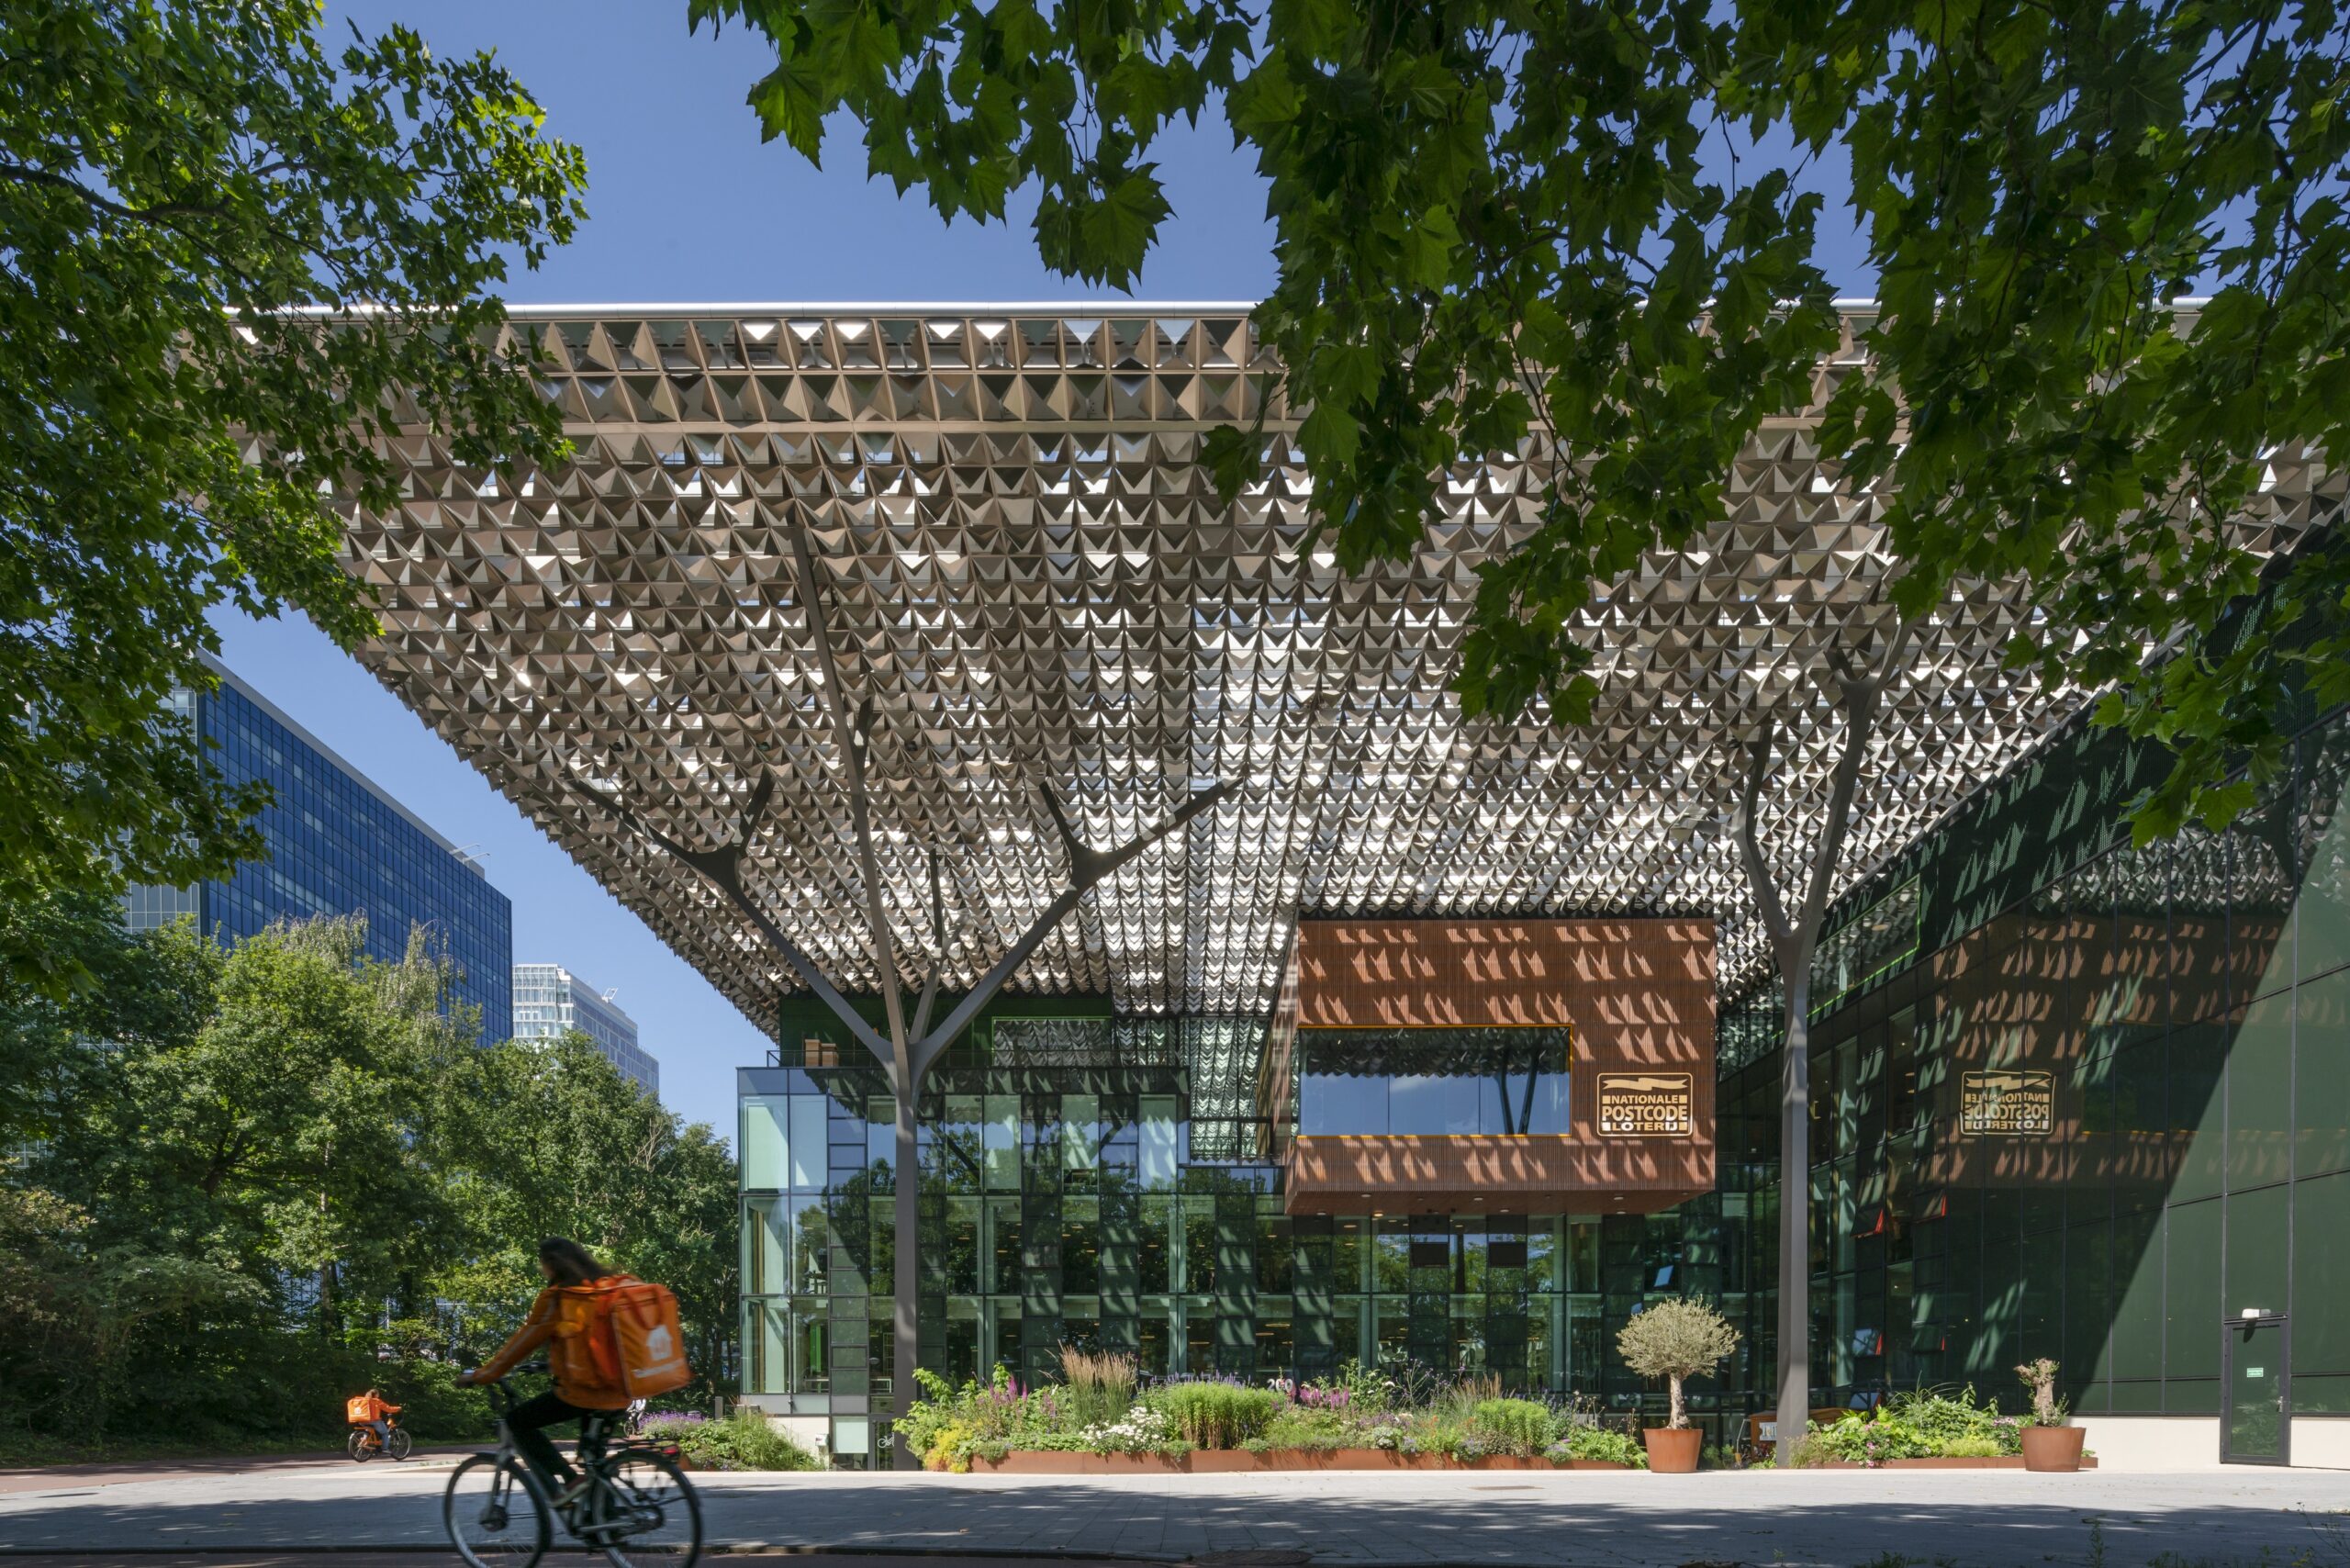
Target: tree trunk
[{"x": 905, "y": 1284}]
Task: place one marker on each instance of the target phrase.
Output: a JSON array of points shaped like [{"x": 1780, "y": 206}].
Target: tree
[
  {"x": 1579, "y": 227},
  {"x": 283, "y": 1131},
  {"x": 232, "y": 265},
  {"x": 140, "y": 994},
  {"x": 550, "y": 1138},
  {"x": 253, "y": 1180},
  {"x": 1676, "y": 1340}
]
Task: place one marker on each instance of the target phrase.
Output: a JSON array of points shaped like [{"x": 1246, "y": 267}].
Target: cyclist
[
  {"x": 371, "y": 1411},
  {"x": 560, "y": 1319}
]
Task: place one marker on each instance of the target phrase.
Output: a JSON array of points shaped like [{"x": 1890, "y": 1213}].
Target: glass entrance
[{"x": 2254, "y": 1429}]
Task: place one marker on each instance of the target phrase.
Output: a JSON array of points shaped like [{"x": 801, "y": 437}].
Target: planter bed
[
  {"x": 1228, "y": 1462},
  {"x": 1050, "y": 1462},
  {"x": 2003, "y": 1462}
]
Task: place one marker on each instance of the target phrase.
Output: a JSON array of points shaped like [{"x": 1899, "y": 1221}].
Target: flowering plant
[
  {"x": 1314, "y": 1395},
  {"x": 1140, "y": 1430}
]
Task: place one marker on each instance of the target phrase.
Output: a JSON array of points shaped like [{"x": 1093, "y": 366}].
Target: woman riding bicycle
[{"x": 559, "y": 1319}]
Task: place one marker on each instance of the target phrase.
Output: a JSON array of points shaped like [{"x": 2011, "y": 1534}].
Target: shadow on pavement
[
  {"x": 1896, "y": 1520},
  {"x": 420, "y": 1558}
]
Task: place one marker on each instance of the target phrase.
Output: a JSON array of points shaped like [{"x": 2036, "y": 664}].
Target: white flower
[{"x": 1141, "y": 1430}]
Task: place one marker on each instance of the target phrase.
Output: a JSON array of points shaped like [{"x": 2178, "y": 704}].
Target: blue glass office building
[{"x": 339, "y": 844}]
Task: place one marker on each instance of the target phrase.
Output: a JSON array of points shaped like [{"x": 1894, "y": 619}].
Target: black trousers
[{"x": 528, "y": 1421}]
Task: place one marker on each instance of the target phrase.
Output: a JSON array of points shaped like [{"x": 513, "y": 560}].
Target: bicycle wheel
[
  {"x": 496, "y": 1513},
  {"x": 647, "y": 1512},
  {"x": 401, "y": 1443},
  {"x": 361, "y": 1450}
]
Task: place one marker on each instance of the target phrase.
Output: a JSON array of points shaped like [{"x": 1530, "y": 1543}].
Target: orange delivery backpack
[
  {"x": 358, "y": 1410},
  {"x": 635, "y": 1337}
]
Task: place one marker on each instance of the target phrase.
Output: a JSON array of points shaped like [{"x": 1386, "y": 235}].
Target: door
[{"x": 2254, "y": 1429}]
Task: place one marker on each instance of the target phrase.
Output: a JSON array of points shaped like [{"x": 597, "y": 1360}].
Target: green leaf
[{"x": 1234, "y": 459}]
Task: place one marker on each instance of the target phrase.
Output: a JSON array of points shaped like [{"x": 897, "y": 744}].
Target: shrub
[
  {"x": 1215, "y": 1415},
  {"x": 1100, "y": 1386},
  {"x": 1511, "y": 1426},
  {"x": 1675, "y": 1340},
  {"x": 1369, "y": 1391},
  {"x": 1313, "y": 1428},
  {"x": 1973, "y": 1448},
  {"x": 1600, "y": 1444},
  {"x": 1870, "y": 1439},
  {"x": 1943, "y": 1418},
  {"x": 744, "y": 1441},
  {"x": 947, "y": 1425}
]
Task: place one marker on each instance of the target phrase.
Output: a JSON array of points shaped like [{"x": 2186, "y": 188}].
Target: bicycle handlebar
[{"x": 501, "y": 1388}]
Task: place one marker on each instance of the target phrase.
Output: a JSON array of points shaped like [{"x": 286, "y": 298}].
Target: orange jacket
[
  {"x": 560, "y": 1319},
  {"x": 362, "y": 1407}
]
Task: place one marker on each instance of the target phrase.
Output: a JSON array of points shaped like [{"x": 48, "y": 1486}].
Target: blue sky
[{"x": 687, "y": 204}]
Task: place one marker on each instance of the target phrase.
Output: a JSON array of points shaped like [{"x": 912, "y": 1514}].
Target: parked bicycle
[{"x": 634, "y": 1505}]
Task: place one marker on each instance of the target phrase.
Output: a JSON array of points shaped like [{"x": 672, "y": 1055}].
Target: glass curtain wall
[{"x": 2105, "y": 1113}]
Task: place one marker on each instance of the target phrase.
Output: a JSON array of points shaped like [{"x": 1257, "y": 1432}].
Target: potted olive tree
[
  {"x": 1675, "y": 1340},
  {"x": 2050, "y": 1440}
]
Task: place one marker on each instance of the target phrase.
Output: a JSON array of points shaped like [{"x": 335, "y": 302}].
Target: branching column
[{"x": 1858, "y": 694}]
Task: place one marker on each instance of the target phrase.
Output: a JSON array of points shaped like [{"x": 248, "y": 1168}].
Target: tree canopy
[
  {"x": 232, "y": 261},
  {"x": 285, "y": 1166},
  {"x": 1593, "y": 226}
]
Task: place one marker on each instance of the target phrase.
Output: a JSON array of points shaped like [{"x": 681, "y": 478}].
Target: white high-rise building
[{"x": 550, "y": 998}]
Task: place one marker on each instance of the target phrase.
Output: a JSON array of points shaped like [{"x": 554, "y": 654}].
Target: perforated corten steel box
[{"x": 1637, "y": 997}]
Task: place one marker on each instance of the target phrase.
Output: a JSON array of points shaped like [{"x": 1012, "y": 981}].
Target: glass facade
[
  {"x": 337, "y": 845},
  {"x": 1432, "y": 1082},
  {"x": 550, "y": 998},
  {"x": 2177, "y": 1016},
  {"x": 1090, "y": 1180},
  {"x": 2071, "y": 1098}
]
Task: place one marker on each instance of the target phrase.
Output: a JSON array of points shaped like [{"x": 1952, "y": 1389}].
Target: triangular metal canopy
[{"x": 1029, "y": 581}]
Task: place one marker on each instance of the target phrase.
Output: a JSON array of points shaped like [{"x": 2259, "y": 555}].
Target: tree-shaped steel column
[
  {"x": 1858, "y": 692},
  {"x": 910, "y": 1050}
]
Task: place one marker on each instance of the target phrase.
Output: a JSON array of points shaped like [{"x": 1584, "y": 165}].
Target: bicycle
[
  {"x": 637, "y": 1508},
  {"x": 363, "y": 1446}
]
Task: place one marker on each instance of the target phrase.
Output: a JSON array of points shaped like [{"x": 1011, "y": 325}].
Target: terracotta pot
[
  {"x": 2054, "y": 1449},
  {"x": 1674, "y": 1450}
]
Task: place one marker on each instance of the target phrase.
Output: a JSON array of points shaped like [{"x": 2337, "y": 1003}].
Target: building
[
  {"x": 550, "y": 998},
  {"x": 338, "y": 845},
  {"x": 1339, "y": 1026}
]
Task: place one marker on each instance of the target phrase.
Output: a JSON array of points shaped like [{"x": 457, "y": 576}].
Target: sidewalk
[
  {"x": 2241, "y": 1518},
  {"x": 126, "y": 1472}
]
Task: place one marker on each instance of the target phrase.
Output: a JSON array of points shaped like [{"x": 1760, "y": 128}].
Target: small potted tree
[
  {"x": 2050, "y": 1441},
  {"x": 1675, "y": 1340}
]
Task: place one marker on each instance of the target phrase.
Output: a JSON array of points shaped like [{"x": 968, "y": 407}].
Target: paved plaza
[{"x": 1998, "y": 1520}]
